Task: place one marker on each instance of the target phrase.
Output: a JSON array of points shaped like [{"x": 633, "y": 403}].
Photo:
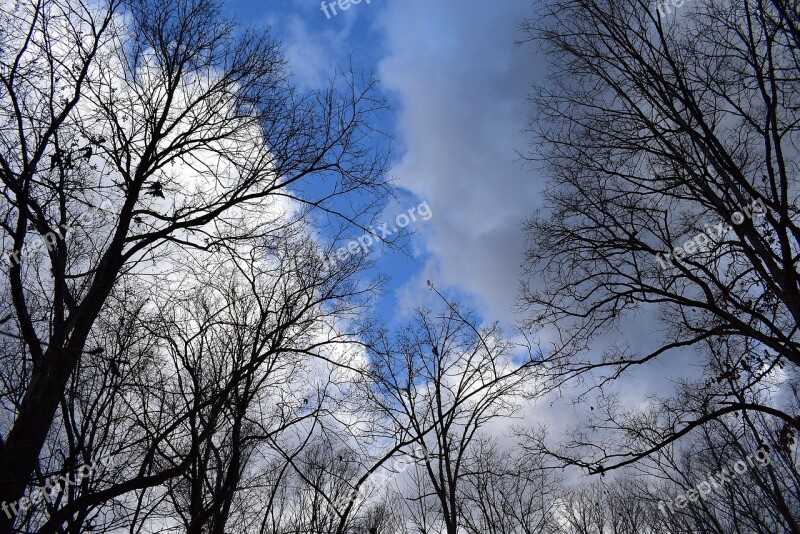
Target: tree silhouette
[
  {"x": 187, "y": 126},
  {"x": 668, "y": 143}
]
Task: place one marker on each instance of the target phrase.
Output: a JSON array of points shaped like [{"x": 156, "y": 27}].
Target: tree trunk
[{"x": 20, "y": 452}]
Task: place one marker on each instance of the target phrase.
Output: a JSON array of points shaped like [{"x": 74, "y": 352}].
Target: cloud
[
  {"x": 313, "y": 54},
  {"x": 461, "y": 84}
]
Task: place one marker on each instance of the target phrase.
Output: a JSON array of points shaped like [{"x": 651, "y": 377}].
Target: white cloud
[{"x": 461, "y": 82}]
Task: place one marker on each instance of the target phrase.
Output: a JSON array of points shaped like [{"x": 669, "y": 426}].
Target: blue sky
[{"x": 456, "y": 82}]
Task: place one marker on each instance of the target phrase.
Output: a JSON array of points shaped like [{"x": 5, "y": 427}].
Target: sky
[{"x": 456, "y": 81}]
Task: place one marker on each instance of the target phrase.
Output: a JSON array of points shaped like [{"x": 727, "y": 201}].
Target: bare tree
[
  {"x": 706, "y": 485},
  {"x": 251, "y": 362},
  {"x": 317, "y": 491},
  {"x": 185, "y": 128},
  {"x": 508, "y": 492},
  {"x": 194, "y": 390},
  {"x": 441, "y": 380},
  {"x": 748, "y": 476},
  {"x": 669, "y": 143}
]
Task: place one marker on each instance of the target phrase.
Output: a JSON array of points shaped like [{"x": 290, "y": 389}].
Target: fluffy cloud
[{"x": 461, "y": 82}]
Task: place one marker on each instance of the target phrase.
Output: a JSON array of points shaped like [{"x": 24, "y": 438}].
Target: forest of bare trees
[{"x": 178, "y": 354}]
